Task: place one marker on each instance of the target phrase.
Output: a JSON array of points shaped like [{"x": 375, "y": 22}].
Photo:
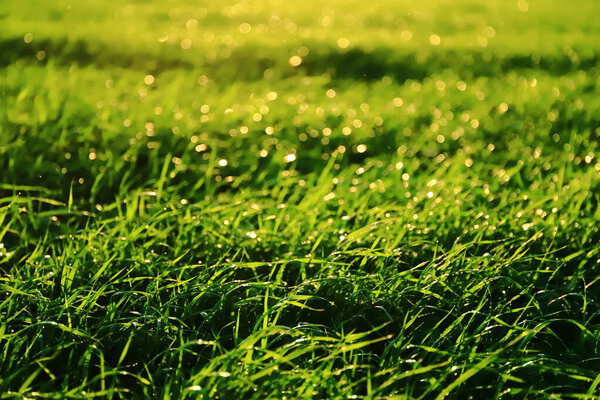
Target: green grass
[{"x": 184, "y": 214}]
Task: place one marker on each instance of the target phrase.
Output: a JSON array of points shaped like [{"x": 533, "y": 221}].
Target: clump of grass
[{"x": 380, "y": 221}]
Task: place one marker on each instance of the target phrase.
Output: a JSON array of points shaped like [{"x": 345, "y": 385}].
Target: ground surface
[{"x": 309, "y": 199}]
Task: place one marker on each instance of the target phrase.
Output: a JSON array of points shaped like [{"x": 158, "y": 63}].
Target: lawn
[{"x": 300, "y": 200}]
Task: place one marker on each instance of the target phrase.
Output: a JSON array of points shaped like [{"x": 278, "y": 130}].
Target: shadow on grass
[{"x": 250, "y": 62}]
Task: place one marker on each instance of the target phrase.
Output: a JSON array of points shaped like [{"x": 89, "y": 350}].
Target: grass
[{"x": 411, "y": 212}]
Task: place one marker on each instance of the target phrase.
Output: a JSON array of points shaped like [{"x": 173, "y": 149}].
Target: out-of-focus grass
[
  {"x": 281, "y": 199},
  {"x": 259, "y": 35}
]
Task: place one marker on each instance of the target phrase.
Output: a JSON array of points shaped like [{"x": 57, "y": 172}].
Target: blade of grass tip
[
  {"x": 45, "y": 200},
  {"x": 163, "y": 176},
  {"x": 27, "y": 188},
  {"x": 124, "y": 184},
  {"x": 70, "y": 202},
  {"x": 6, "y": 227},
  {"x": 102, "y": 372},
  {"x": 594, "y": 386},
  {"x": 46, "y": 370},
  {"x": 132, "y": 207},
  {"x": 96, "y": 186},
  {"x": 64, "y": 328},
  {"x": 104, "y": 266},
  {"x": 118, "y": 204},
  {"x": 85, "y": 363},
  {"x": 212, "y": 162}
]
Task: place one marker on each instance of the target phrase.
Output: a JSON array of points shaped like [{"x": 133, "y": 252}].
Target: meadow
[{"x": 300, "y": 200}]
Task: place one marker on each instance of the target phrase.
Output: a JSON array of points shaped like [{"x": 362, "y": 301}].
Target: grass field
[{"x": 300, "y": 200}]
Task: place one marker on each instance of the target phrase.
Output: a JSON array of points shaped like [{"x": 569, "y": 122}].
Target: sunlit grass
[{"x": 285, "y": 200}]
